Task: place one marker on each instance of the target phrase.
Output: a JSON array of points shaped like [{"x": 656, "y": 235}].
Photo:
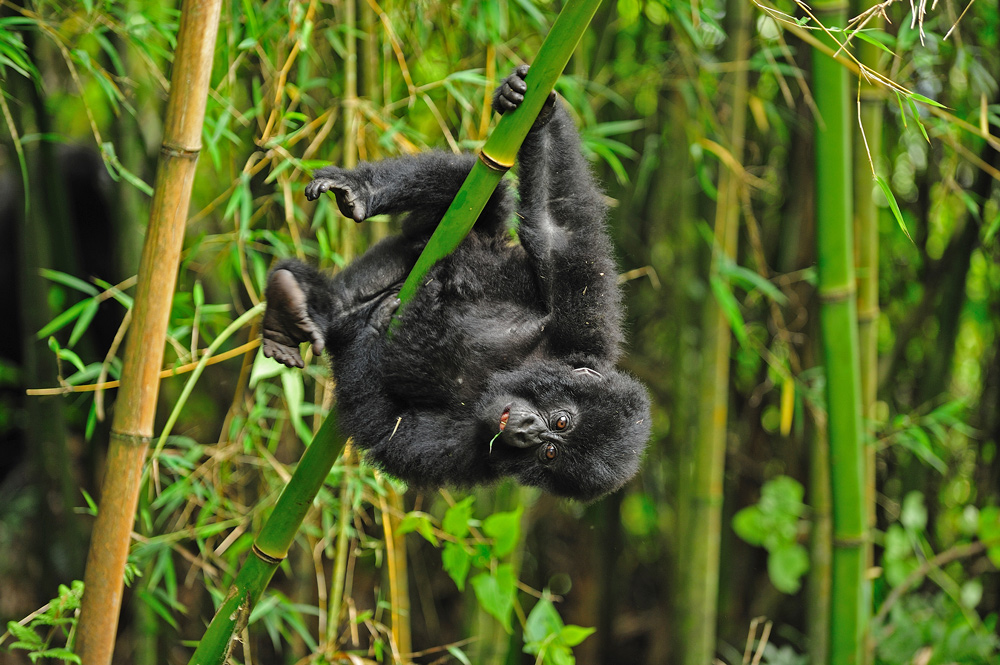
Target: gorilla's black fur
[{"x": 503, "y": 363}]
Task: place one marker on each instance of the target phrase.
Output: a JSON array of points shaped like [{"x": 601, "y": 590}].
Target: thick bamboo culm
[
  {"x": 132, "y": 427},
  {"x": 839, "y": 325}
]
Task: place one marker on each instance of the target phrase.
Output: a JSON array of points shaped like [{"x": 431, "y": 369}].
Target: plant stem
[
  {"x": 838, "y": 321},
  {"x": 132, "y": 427},
  {"x": 271, "y": 546}
]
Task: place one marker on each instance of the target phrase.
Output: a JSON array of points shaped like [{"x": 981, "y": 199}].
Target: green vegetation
[{"x": 705, "y": 123}]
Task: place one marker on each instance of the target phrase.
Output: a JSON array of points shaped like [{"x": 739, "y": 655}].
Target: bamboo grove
[{"x": 806, "y": 218}]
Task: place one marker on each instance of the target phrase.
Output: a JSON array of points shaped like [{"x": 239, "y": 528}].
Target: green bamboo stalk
[
  {"x": 271, "y": 546},
  {"x": 868, "y": 141},
  {"x": 501, "y": 148},
  {"x": 132, "y": 427},
  {"x": 275, "y": 538},
  {"x": 703, "y": 523},
  {"x": 838, "y": 322}
]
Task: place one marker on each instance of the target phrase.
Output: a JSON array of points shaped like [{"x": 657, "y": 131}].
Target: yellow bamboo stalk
[
  {"x": 391, "y": 505},
  {"x": 132, "y": 427}
]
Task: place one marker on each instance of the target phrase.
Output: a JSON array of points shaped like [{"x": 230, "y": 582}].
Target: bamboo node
[
  {"x": 850, "y": 541},
  {"x": 179, "y": 151},
  {"x": 265, "y": 557},
  {"x": 492, "y": 163},
  {"x": 131, "y": 439},
  {"x": 837, "y": 294}
]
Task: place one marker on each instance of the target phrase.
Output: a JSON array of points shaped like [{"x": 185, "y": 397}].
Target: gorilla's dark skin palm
[{"x": 516, "y": 338}]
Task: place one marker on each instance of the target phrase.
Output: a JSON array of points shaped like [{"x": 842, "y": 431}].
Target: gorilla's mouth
[{"x": 504, "y": 417}]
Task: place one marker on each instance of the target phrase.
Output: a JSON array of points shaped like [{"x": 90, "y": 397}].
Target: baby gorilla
[{"x": 503, "y": 362}]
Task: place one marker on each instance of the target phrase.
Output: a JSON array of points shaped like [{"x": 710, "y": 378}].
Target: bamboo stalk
[
  {"x": 868, "y": 140},
  {"x": 703, "y": 525},
  {"x": 132, "y": 427},
  {"x": 390, "y": 505},
  {"x": 838, "y": 321},
  {"x": 271, "y": 546}
]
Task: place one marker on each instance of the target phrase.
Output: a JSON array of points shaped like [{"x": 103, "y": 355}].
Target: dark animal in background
[{"x": 503, "y": 362}]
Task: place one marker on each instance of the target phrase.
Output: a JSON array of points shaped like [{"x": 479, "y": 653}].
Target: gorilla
[{"x": 503, "y": 363}]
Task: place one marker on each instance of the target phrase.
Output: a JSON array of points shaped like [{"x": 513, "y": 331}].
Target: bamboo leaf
[
  {"x": 874, "y": 42},
  {"x": 884, "y": 186},
  {"x": 70, "y": 281},
  {"x": 730, "y": 308},
  {"x": 926, "y": 100}
]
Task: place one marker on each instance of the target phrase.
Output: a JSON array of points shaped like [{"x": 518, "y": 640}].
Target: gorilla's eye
[
  {"x": 549, "y": 452},
  {"x": 562, "y": 422}
]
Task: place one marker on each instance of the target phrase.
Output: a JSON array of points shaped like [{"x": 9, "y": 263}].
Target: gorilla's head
[{"x": 579, "y": 432}]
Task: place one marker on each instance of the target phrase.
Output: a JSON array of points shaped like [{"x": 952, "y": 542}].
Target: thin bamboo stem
[
  {"x": 271, "y": 546},
  {"x": 868, "y": 140},
  {"x": 704, "y": 510},
  {"x": 132, "y": 427},
  {"x": 390, "y": 505}
]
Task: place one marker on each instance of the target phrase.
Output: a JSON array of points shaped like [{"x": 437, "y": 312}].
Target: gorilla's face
[{"x": 577, "y": 432}]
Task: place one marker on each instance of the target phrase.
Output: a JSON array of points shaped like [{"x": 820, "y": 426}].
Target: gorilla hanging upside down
[{"x": 503, "y": 362}]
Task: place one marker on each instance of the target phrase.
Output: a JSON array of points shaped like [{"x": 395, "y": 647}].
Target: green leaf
[
  {"x": 572, "y": 635},
  {"x": 459, "y": 655},
  {"x": 730, "y": 308},
  {"x": 786, "y": 565},
  {"x": 913, "y": 515},
  {"x": 419, "y": 522},
  {"x": 456, "y": 519},
  {"x": 505, "y": 529},
  {"x": 69, "y": 281},
  {"x": 893, "y": 205},
  {"x": 495, "y": 593},
  {"x": 63, "y": 319},
  {"x": 874, "y": 42},
  {"x": 456, "y": 562},
  {"x": 989, "y": 532},
  {"x": 749, "y": 280},
  {"x": 748, "y": 525},
  {"x": 543, "y": 620},
  {"x": 926, "y": 100},
  {"x": 86, "y": 316},
  {"x": 24, "y": 635}
]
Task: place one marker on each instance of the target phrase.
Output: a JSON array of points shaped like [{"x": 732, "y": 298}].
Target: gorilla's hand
[
  {"x": 352, "y": 197},
  {"x": 510, "y": 93}
]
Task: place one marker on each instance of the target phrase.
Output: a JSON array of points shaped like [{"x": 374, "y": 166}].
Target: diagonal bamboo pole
[
  {"x": 132, "y": 427},
  {"x": 497, "y": 156},
  {"x": 275, "y": 538}
]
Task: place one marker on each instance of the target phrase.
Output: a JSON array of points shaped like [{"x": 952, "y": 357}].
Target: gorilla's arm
[
  {"x": 423, "y": 185},
  {"x": 562, "y": 228}
]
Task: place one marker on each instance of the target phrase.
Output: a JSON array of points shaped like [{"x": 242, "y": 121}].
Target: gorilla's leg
[{"x": 305, "y": 306}]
